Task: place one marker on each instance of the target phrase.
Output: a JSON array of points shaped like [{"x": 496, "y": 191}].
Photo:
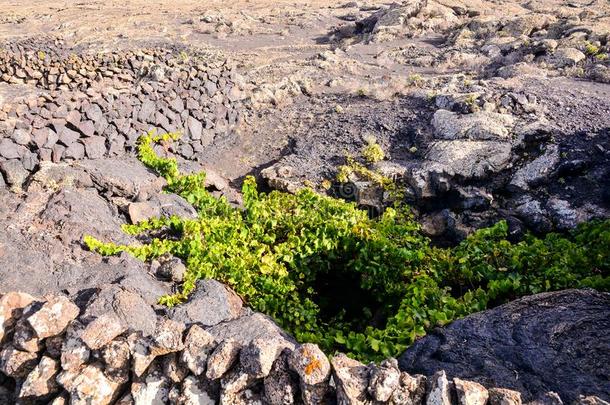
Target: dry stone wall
[
  {"x": 59, "y": 105},
  {"x": 51, "y": 354}
]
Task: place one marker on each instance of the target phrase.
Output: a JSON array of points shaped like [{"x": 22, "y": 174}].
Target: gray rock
[
  {"x": 146, "y": 110},
  {"x": 124, "y": 177},
  {"x": 281, "y": 386},
  {"x": 564, "y": 215},
  {"x": 249, "y": 327},
  {"x": 534, "y": 337},
  {"x": 384, "y": 380},
  {"x": 172, "y": 204},
  {"x": 210, "y": 304},
  {"x": 14, "y": 172},
  {"x": 74, "y": 209},
  {"x": 194, "y": 128},
  {"x": 258, "y": 357},
  {"x": 440, "y": 390},
  {"x": 429, "y": 179},
  {"x": 478, "y": 126},
  {"x": 172, "y": 269},
  {"x": 132, "y": 310},
  {"x": 94, "y": 112},
  {"x": 471, "y": 159},
  {"x": 567, "y": 57},
  {"x": 534, "y": 216},
  {"x": 536, "y": 171},
  {"x": 29, "y": 161}
]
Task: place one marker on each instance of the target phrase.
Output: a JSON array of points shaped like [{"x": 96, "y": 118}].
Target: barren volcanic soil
[{"x": 485, "y": 110}]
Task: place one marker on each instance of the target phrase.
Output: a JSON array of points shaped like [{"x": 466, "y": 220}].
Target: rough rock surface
[{"x": 547, "y": 342}]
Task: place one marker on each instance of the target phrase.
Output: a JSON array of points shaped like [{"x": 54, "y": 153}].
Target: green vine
[{"x": 286, "y": 254}]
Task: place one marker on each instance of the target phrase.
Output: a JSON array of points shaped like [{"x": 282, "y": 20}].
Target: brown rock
[
  {"x": 470, "y": 393},
  {"x": 41, "y": 381},
  {"x": 167, "y": 337},
  {"x": 74, "y": 352},
  {"x": 504, "y": 396},
  {"x": 24, "y": 338},
  {"x": 89, "y": 386},
  {"x": 222, "y": 359},
  {"x": 11, "y": 308},
  {"x": 199, "y": 344},
  {"x": 53, "y": 317},
  {"x": 102, "y": 330},
  {"x": 16, "y": 363},
  {"x": 116, "y": 356},
  {"x": 141, "y": 211},
  {"x": 139, "y": 347},
  {"x": 351, "y": 378}
]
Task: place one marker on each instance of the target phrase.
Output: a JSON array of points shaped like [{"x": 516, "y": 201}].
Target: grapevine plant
[{"x": 331, "y": 275}]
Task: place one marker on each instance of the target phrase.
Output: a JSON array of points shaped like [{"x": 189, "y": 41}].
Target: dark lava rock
[
  {"x": 546, "y": 342},
  {"x": 210, "y": 304}
]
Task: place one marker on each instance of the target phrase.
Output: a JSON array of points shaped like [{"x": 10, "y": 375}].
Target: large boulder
[
  {"x": 546, "y": 342},
  {"x": 481, "y": 125},
  {"x": 471, "y": 159}
]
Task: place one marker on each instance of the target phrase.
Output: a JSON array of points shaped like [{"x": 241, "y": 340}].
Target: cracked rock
[{"x": 198, "y": 345}]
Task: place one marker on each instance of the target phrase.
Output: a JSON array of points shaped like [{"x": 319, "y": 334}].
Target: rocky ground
[{"x": 486, "y": 110}]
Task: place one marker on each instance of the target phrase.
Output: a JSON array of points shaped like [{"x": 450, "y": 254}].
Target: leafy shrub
[
  {"x": 331, "y": 275},
  {"x": 372, "y": 152}
]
